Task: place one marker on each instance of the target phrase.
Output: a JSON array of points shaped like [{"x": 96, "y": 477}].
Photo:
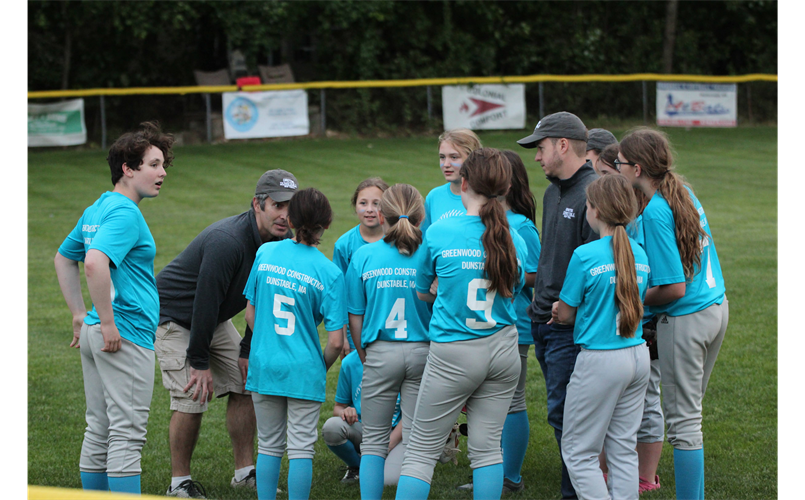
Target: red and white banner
[
  {"x": 484, "y": 107},
  {"x": 697, "y": 104}
]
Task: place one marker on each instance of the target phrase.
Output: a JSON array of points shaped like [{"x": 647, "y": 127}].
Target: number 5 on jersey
[{"x": 280, "y": 314}]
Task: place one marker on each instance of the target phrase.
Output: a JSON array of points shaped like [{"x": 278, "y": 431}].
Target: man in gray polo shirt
[
  {"x": 561, "y": 141},
  {"x": 196, "y": 343}
]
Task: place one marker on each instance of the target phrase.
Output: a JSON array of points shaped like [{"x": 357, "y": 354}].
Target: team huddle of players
[{"x": 436, "y": 304}]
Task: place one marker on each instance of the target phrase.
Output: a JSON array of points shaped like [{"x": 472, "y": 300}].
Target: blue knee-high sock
[
  {"x": 411, "y": 488},
  {"x": 268, "y": 475},
  {"x": 487, "y": 482},
  {"x": 514, "y": 442},
  {"x": 347, "y": 453},
  {"x": 300, "y": 475},
  {"x": 94, "y": 481},
  {"x": 689, "y": 474},
  {"x": 128, "y": 484},
  {"x": 371, "y": 477}
]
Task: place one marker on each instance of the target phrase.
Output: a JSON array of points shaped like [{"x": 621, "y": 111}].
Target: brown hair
[
  {"x": 366, "y": 183},
  {"x": 403, "y": 209},
  {"x": 488, "y": 173},
  {"x": 579, "y": 147},
  {"x": 614, "y": 199},
  {"x": 520, "y": 198},
  {"x": 608, "y": 155},
  {"x": 309, "y": 211},
  {"x": 652, "y": 151},
  {"x": 462, "y": 138},
  {"x": 130, "y": 148}
]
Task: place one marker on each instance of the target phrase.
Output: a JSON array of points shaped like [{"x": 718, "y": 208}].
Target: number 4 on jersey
[{"x": 396, "y": 319}]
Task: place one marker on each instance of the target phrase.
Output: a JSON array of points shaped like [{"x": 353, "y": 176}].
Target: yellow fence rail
[{"x": 43, "y": 94}]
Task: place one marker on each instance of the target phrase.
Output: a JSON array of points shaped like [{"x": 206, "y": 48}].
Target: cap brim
[
  {"x": 281, "y": 196},
  {"x": 531, "y": 141}
]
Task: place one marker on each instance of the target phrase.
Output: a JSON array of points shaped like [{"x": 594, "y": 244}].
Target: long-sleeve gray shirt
[
  {"x": 564, "y": 228},
  {"x": 203, "y": 285}
]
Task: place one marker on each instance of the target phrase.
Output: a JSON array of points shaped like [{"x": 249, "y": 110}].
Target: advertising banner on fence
[
  {"x": 484, "y": 107},
  {"x": 251, "y": 115},
  {"x": 697, "y": 105},
  {"x": 58, "y": 124}
]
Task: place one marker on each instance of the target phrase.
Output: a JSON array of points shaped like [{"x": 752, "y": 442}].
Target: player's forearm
[
  {"x": 99, "y": 283},
  {"x": 70, "y": 283},
  {"x": 338, "y": 409},
  {"x": 663, "y": 294},
  {"x": 335, "y": 342}
]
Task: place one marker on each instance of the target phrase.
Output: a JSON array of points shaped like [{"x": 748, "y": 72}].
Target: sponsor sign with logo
[
  {"x": 697, "y": 105},
  {"x": 484, "y": 107},
  {"x": 58, "y": 124},
  {"x": 250, "y": 115}
]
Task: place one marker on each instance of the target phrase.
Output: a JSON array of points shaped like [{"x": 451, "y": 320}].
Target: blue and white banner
[
  {"x": 697, "y": 104},
  {"x": 251, "y": 115},
  {"x": 484, "y": 107},
  {"x": 58, "y": 124}
]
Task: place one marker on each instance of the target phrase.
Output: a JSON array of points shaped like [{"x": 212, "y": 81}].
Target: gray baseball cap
[
  {"x": 599, "y": 138},
  {"x": 280, "y": 185},
  {"x": 561, "y": 124}
]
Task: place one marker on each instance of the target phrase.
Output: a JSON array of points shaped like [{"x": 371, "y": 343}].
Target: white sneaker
[
  {"x": 187, "y": 489},
  {"x": 250, "y": 481}
]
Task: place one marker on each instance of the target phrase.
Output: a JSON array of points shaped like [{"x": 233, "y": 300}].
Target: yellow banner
[
  {"x": 42, "y": 94},
  {"x": 50, "y": 493}
]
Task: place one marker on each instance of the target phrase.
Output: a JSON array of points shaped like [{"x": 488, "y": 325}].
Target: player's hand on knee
[
  {"x": 202, "y": 379},
  {"x": 350, "y": 415}
]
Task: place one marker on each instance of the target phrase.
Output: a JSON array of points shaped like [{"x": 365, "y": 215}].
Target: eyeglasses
[{"x": 618, "y": 164}]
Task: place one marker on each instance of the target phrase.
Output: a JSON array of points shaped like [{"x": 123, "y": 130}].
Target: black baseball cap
[
  {"x": 561, "y": 124},
  {"x": 599, "y": 138},
  {"x": 279, "y": 184}
]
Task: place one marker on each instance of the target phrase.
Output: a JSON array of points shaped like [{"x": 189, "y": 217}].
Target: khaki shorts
[{"x": 170, "y": 347}]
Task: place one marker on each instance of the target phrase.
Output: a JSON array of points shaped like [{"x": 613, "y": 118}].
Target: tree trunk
[
  {"x": 68, "y": 41},
  {"x": 670, "y": 36}
]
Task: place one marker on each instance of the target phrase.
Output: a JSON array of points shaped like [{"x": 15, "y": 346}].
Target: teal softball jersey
[
  {"x": 464, "y": 308},
  {"x": 293, "y": 287},
  {"x": 440, "y": 204},
  {"x": 528, "y": 231},
  {"x": 707, "y": 286},
  {"x": 382, "y": 277},
  {"x": 115, "y": 226},
  {"x": 343, "y": 251},
  {"x": 348, "y": 391},
  {"x": 590, "y": 286}
]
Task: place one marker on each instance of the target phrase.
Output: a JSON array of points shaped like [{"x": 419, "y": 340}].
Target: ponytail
[
  {"x": 489, "y": 174},
  {"x": 520, "y": 198},
  {"x": 652, "y": 151},
  {"x": 615, "y": 201},
  {"x": 401, "y": 206}
]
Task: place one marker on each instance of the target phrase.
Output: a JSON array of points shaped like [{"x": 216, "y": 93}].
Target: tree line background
[{"x": 88, "y": 44}]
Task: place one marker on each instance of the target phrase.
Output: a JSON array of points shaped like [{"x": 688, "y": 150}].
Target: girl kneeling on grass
[
  {"x": 602, "y": 296},
  {"x": 291, "y": 288}
]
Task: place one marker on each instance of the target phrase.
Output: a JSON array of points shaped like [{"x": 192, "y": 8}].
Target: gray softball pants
[
  {"x": 481, "y": 373},
  {"x": 603, "y": 407},
  {"x": 518, "y": 400},
  {"x": 688, "y": 347},
  {"x": 391, "y": 368},
  {"x": 118, "y": 387},
  {"x": 652, "y": 427},
  {"x": 278, "y": 415}
]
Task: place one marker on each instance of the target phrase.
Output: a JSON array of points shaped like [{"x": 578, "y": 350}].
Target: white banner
[
  {"x": 484, "y": 107},
  {"x": 697, "y": 105},
  {"x": 250, "y": 115},
  {"x": 58, "y": 124}
]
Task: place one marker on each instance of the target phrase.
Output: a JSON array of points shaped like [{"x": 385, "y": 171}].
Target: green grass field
[{"x": 734, "y": 174}]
